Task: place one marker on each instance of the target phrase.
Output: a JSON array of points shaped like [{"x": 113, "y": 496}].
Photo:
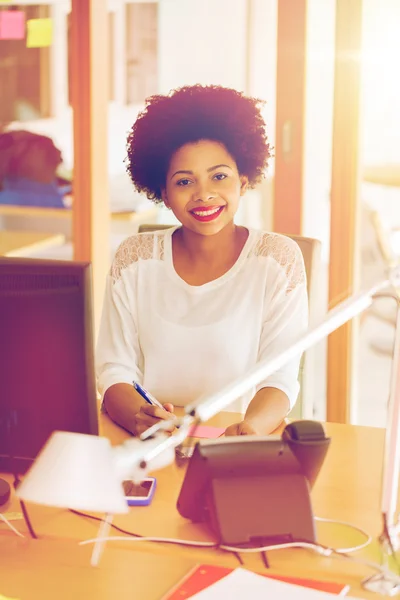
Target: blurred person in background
[{"x": 28, "y": 171}]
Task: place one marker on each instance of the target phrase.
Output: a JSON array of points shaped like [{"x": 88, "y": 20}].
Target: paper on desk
[
  {"x": 241, "y": 584},
  {"x": 13, "y": 516},
  {"x": 205, "y": 431}
]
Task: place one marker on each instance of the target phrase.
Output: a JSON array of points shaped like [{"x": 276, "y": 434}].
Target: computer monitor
[{"x": 47, "y": 379}]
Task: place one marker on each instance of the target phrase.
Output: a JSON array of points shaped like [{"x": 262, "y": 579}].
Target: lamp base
[
  {"x": 5, "y": 491},
  {"x": 382, "y": 583},
  {"x": 386, "y": 582}
]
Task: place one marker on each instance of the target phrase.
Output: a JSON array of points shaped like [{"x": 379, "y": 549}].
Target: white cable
[
  {"x": 11, "y": 526},
  {"x": 306, "y": 545},
  {"x": 309, "y": 545},
  {"x": 120, "y": 538},
  {"x": 325, "y": 552},
  {"x": 345, "y": 524}
]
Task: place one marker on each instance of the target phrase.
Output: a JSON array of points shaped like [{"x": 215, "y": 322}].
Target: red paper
[
  {"x": 12, "y": 25},
  {"x": 203, "y": 576},
  {"x": 205, "y": 431}
]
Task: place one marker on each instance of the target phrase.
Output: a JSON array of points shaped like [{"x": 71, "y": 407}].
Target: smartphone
[{"x": 139, "y": 494}]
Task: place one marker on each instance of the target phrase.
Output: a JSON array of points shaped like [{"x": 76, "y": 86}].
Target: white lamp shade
[{"x": 75, "y": 471}]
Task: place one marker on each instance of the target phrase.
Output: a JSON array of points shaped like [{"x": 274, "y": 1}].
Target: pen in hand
[
  {"x": 153, "y": 402},
  {"x": 147, "y": 396}
]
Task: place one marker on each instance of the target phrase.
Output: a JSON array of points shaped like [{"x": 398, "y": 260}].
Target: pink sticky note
[
  {"x": 205, "y": 431},
  {"x": 12, "y": 25}
]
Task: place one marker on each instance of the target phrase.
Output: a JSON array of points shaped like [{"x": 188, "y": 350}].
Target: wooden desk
[
  {"x": 347, "y": 489},
  {"x": 20, "y": 243},
  {"x": 66, "y": 213},
  {"x": 60, "y": 570}
]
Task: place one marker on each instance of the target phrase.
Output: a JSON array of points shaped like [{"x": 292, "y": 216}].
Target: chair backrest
[{"x": 311, "y": 250}]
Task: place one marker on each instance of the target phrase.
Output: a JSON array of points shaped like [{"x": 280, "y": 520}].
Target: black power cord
[
  {"x": 28, "y": 522},
  {"x": 124, "y": 531}
]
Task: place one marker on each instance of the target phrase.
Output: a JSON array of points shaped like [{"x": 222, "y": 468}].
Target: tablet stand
[{"x": 255, "y": 490}]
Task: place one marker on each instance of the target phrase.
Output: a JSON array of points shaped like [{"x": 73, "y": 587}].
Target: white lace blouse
[{"x": 182, "y": 342}]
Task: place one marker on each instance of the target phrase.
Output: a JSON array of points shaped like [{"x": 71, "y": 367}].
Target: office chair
[{"x": 311, "y": 250}]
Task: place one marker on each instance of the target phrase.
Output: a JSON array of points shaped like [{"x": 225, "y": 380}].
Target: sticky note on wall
[
  {"x": 39, "y": 33},
  {"x": 12, "y": 25}
]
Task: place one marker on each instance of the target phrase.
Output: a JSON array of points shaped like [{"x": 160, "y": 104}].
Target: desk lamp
[{"x": 136, "y": 457}]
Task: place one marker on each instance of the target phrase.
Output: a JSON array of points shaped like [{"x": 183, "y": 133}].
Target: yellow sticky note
[
  {"x": 6, "y": 597},
  {"x": 39, "y": 33}
]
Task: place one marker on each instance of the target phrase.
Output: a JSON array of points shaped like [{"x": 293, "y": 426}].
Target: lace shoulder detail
[
  {"x": 141, "y": 246},
  {"x": 286, "y": 252}
]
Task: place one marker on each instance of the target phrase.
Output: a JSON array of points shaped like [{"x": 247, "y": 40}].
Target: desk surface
[
  {"x": 20, "y": 243},
  {"x": 348, "y": 489},
  {"x": 66, "y": 213}
]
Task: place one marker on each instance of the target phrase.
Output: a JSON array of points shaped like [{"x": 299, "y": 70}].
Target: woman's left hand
[{"x": 242, "y": 428}]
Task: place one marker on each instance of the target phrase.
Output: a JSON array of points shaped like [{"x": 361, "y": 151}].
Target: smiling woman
[
  {"x": 207, "y": 192},
  {"x": 189, "y": 309},
  {"x": 188, "y": 115}
]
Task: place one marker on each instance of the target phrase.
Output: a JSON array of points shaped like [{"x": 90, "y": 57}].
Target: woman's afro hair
[{"x": 190, "y": 114}]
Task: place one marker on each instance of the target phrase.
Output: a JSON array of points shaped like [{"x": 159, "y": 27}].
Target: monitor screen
[{"x": 47, "y": 379}]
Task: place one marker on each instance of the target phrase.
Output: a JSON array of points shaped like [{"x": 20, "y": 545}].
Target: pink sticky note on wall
[
  {"x": 205, "y": 431},
  {"x": 12, "y": 25}
]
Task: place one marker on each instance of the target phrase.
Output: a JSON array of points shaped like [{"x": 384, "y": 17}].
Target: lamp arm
[
  {"x": 391, "y": 465},
  {"x": 135, "y": 457},
  {"x": 204, "y": 409}
]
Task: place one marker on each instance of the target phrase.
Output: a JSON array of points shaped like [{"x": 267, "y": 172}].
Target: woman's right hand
[{"x": 148, "y": 415}]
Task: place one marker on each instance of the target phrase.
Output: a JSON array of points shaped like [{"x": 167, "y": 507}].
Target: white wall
[
  {"x": 380, "y": 121},
  {"x": 202, "y": 41},
  {"x": 206, "y": 41},
  {"x": 262, "y": 84},
  {"x": 263, "y": 55},
  {"x": 381, "y": 81},
  {"x": 381, "y": 101},
  {"x": 318, "y": 121}
]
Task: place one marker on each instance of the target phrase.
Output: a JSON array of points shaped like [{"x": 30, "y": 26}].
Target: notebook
[{"x": 202, "y": 577}]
